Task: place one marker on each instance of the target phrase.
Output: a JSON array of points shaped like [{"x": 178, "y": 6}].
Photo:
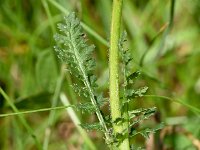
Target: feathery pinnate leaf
[
  {"x": 72, "y": 49},
  {"x": 129, "y": 93}
]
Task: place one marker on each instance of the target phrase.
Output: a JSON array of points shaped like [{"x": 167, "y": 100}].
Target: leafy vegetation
[{"x": 45, "y": 104}]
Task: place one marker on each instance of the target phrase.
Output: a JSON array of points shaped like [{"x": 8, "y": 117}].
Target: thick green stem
[{"x": 115, "y": 103}]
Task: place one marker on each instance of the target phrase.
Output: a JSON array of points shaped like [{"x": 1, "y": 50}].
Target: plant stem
[
  {"x": 115, "y": 103},
  {"x": 35, "y": 111}
]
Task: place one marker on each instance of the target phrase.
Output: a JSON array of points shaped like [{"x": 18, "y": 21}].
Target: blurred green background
[{"x": 167, "y": 54}]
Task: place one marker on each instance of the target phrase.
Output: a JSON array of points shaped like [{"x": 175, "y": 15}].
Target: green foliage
[
  {"x": 129, "y": 93},
  {"x": 72, "y": 49},
  {"x": 145, "y": 132},
  {"x": 141, "y": 114},
  {"x": 27, "y": 70}
]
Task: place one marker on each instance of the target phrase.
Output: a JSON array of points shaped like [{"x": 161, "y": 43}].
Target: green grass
[{"x": 31, "y": 75}]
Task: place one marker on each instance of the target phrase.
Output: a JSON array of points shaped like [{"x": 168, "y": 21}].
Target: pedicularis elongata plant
[{"x": 72, "y": 49}]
